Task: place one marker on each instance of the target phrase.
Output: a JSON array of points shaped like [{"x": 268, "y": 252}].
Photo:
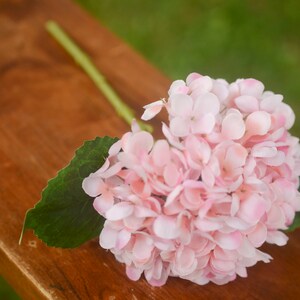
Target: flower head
[{"x": 199, "y": 203}]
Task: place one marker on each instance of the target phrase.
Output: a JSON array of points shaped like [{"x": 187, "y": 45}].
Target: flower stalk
[{"x": 85, "y": 62}]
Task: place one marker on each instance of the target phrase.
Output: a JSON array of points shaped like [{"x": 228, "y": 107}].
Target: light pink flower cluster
[{"x": 199, "y": 203}]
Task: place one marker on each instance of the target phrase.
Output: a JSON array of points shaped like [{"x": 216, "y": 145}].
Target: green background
[
  {"x": 228, "y": 39},
  {"x": 223, "y": 39}
]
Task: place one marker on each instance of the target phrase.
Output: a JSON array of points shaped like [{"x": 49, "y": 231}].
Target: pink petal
[
  {"x": 276, "y": 217},
  {"x": 255, "y": 183},
  {"x": 234, "y": 91},
  {"x": 235, "y": 205},
  {"x": 207, "y": 249},
  {"x": 152, "y": 109},
  {"x": 93, "y": 186},
  {"x": 174, "y": 141},
  {"x": 125, "y": 140},
  {"x": 108, "y": 238},
  {"x": 140, "y": 143},
  {"x": 199, "y": 278},
  {"x": 289, "y": 114},
  {"x": 123, "y": 238},
  {"x": 185, "y": 262},
  {"x": 157, "y": 269},
  {"x": 233, "y": 126},
  {"x": 128, "y": 160},
  {"x": 269, "y": 104},
  {"x": 258, "y": 236},
  {"x": 264, "y": 150},
  {"x": 133, "y": 223},
  {"x": 277, "y": 160},
  {"x": 191, "y": 77},
  {"x": 113, "y": 170},
  {"x": 135, "y": 127},
  {"x": 141, "y": 188},
  {"x": 115, "y": 148},
  {"x": 276, "y": 135},
  {"x": 199, "y": 149},
  {"x": 289, "y": 212},
  {"x": 247, "y": 249},
  {"x": 220, "y": 90},
  {"x": 173, "y": 195},
  {"x": 191, "y": 199},
  {"x": 207, "y": 104},
  {"x": 247, "y": 104},
  {"x": 221, "y": 254},
  {"x": 142, "y": 248},
  {"x": 237, "y": 223},
  {"x": 119, "y": 211},
  {"x": 205, "y": 207},
  {"x": 179, "y": 157},
  {"x": 208, "y": 177},
  {"x": 198, "y": 243},
  {"x": 171, "y": 174},
  {"x": 181, "y": 105},
  {"x": 103, "y": 202},
  {"x": 180, "y": 127},
  {"x": 234, "y": 175},
  {"x": 236, "y": 183},
  {"x": 178, "y": 86},
  {"x": 266, "y": 258},
  {"x": 173, "y": 208},
  {"x": 214, "y": 165},
  {"x": 133, "y": 273},
  {"x": 193, "y": 184},
  {"x": 277, "y": 237},
  {"x": 222, "y": 265},
  {"x": 206, "y": 225},
  {"x": 183, "y": 90},
  {"x": 204, "y": 124},
  {"x": 249, "y": 166},
  {"x": 157, "y": 282},
  {"x": 203, "y": 261},
  {"x": 258, "y": 123},
  {"x": 144, "y": 212},
  {"x": 241, "y": 271},
  {"x": 165, "y": 246},
  {"x": 203, "y": 83},
  {"x": 161, "y": 153},
  {"x": 228, "y": 241},
  {"x": 251, "y": 87},
  {"x": 236, "y": 156},
  {"x": 252, "y": 209},
  {"x": 166, "y": 227}
]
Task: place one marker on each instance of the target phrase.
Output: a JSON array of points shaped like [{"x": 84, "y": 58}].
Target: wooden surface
[{"x": 48, "y": 107}]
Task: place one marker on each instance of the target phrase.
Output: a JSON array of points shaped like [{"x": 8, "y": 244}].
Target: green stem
[{"x": 84, "y": 61}]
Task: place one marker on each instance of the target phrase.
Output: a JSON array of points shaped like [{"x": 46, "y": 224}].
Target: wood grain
[{"x": 48, "y": 107}]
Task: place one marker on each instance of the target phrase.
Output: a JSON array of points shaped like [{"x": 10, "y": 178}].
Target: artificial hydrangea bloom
[{"x": 199, "y": 203}]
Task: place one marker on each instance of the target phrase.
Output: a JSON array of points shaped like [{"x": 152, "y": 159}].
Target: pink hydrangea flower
[{"x": 199, "y": 203}]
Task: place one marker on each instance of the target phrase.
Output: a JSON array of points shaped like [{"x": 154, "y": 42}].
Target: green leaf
[
  {"x": 65, "y": 216},
  {"x": 296, "y": 223}
]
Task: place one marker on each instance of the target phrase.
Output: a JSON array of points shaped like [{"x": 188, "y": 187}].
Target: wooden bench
[{"x": 48, "y": 107}]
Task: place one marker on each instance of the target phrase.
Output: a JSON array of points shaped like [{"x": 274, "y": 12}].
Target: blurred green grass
[
  {"x": 6, "y": 292},
  {"x": 229, "y": 39}
]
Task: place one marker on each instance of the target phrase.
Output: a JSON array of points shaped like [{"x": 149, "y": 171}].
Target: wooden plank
[{"x": 48, "y": 107}]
